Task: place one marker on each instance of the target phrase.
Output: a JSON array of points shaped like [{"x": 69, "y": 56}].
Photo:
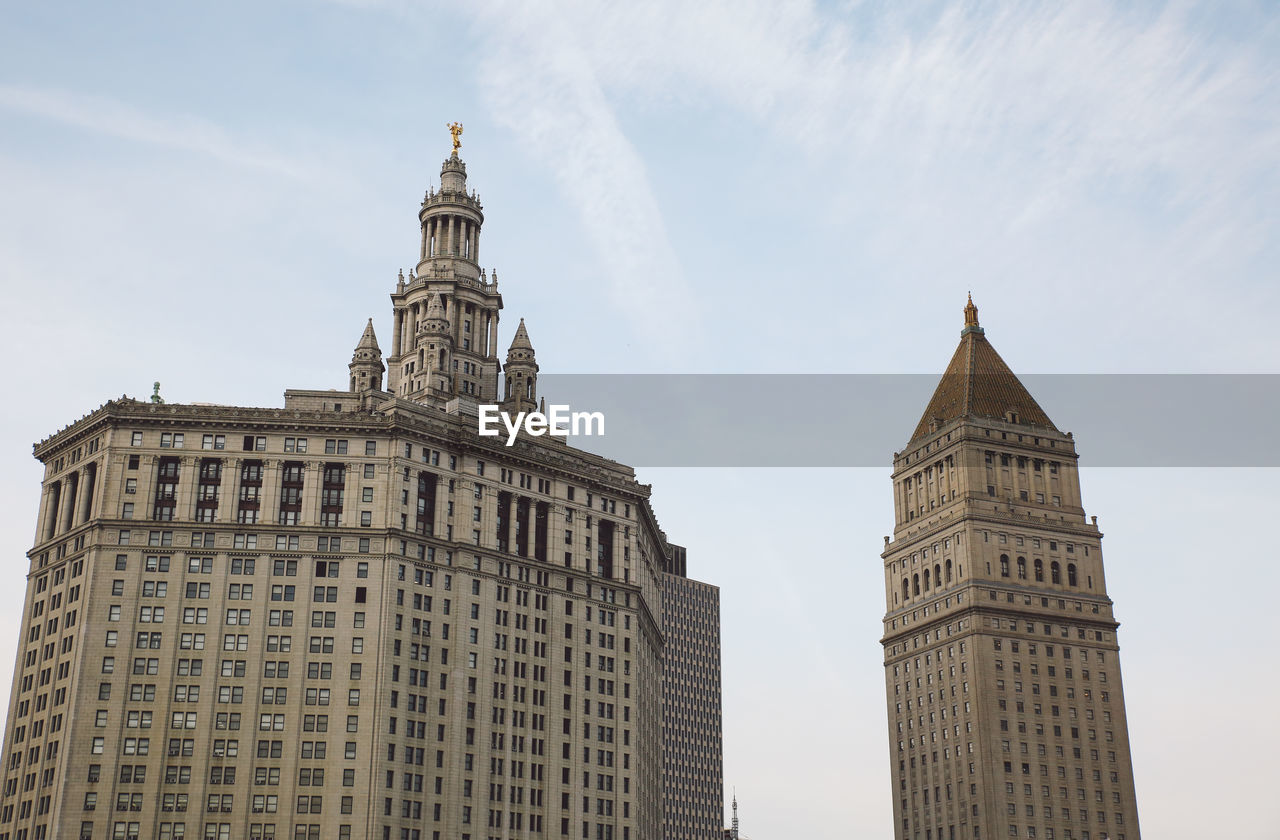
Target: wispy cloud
[
  {"x": 543, "y": 85},
  {"x": 1075, "y": 92},
  {"x": 1009, "y": 138},
  {"x": 114, "y": 118}
]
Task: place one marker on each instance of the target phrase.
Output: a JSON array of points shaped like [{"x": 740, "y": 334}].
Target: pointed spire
[
  {"x": 521, "y": 340},
  {"x": 521, "y": 372},
  {"x": 978, "y": 384},
  {"x": 368, "y": 340}
]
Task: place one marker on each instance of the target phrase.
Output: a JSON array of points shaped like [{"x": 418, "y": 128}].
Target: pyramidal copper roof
[{"x": 978, "y": 383}]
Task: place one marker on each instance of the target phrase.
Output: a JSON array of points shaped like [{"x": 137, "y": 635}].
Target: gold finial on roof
[
  {"x": 970, "y": 313},
  {"x": 455, "y": 129}
]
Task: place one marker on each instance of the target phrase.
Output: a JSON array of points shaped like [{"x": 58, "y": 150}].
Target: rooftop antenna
[{"x": 735, "y": 814}]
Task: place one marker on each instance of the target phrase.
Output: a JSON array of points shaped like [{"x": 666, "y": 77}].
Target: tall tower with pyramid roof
[
  {"x": 445, "y": 338},
  {"x": 1002, "y": 671}
]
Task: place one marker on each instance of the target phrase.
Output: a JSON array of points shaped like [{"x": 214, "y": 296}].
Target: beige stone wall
[
  {"x": 1005, "y": 706},
  {"x": 417, "y": 684}
]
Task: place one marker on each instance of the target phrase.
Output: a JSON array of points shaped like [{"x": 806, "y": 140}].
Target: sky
[{"x": 216, "y": 197}]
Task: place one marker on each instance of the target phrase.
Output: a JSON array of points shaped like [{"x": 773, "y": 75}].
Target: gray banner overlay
[{"x": 860, "y": 420}]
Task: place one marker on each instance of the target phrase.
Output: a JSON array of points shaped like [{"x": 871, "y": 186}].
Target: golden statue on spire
[
  {"x": 970, "y": 313},
  {"x": 455, "y": 129}
]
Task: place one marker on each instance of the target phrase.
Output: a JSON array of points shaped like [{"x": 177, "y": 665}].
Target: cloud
[
  {"x": 113, "y": 118},
  {"x": 1075, "y": 92},
  {"x": 1120, "y": 147},
  {"x": 543, "y": 85}
]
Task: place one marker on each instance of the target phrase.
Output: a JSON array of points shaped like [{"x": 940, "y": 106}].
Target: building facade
[
  {"x": 348, "y": 617},
  {"x": 1002, "y": 670},
  {"x": 693, "y": 790}
]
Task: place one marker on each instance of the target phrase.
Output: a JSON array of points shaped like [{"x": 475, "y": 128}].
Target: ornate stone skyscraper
[
  {"x": 1002, "y": 667},
  {"x": 350, "y": 617}
]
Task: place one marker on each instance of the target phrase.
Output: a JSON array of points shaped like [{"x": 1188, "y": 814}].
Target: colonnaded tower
[
  {"x": 354, "y": 616},
  {"x": 1002, "y": 665}
]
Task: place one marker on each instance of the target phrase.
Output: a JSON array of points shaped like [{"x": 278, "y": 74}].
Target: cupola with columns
[{"x": 448, "y": 299}]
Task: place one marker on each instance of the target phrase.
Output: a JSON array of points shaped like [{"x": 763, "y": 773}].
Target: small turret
[
  {"x": 521, "y": 374},
  {"x": 438, "y": 336},
  {"x": 435, "y": 322},
  {"x": 366, "y": 363}
]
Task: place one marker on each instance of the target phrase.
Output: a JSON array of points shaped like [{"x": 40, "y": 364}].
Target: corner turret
[
  {"x": 521, "y": 374},
  {"x": 366, "y": 363}
]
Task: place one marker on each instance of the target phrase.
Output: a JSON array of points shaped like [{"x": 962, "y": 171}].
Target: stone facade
[
  {"x": 1002, "y": 668},
  {"x": 348, "y": 617}
]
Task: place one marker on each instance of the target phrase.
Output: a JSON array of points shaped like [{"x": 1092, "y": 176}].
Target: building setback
[
  {"x": 351, "y": 616},
  {"x": 1002, "y": 669}
]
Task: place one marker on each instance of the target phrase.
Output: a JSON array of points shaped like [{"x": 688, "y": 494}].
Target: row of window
[{"x": 252, "y": 443}]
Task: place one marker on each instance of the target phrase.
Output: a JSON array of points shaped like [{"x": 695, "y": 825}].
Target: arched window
[
  {"x": 1039, "y": 570},
  {"x": 1004, "y": 565},
  {"x": 915, "y": 584},
  {"x": 926, "y": 580},
  {"x": 1022, "y": 568},
  {"x": 1071, "y": 574},
  {"x": 906, "y": 589},
  {"x": 1055, "y": 572},
  {"x": 937, "y": 576},
  {"x": 948, "y": 571}
]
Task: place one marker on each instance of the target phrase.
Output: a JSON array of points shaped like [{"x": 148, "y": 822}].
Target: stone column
[
  {"x": 184, "y": 506},
  {"x": 49, "y": 517},
  {"x": 88, "y": 490},
  {"x": 513, "y": 525},
  {"x": 312, "y": 476},
  {"x": 229, "y": 492},
  {"x": 555, "y": 533},
  {"x": 70, "y": 493},
  {"x": 269, "y": 505},
  {"x": 351, "y": 496}
]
